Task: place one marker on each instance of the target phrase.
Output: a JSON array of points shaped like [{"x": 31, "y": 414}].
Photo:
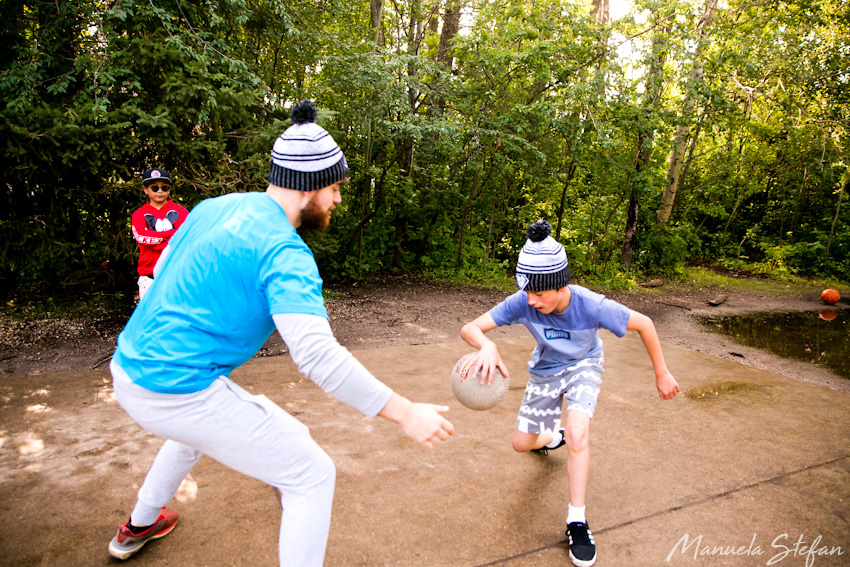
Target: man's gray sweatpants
[{"x": 247, "y": 433}]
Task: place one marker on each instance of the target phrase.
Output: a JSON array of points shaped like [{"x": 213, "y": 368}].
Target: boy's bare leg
[
  {"x": 524, "y": 442},
  {"x": 577, "y": 434}
]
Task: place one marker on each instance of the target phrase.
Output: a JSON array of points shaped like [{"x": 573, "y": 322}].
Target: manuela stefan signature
[{"x": 780, "y": 549}]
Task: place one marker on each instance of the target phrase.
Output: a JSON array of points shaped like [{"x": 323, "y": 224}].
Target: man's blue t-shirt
[
  {"x": 234, "y": 263},
  {"x": 564, "y": 338}
]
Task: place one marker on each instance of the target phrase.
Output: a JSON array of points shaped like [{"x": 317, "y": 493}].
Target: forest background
[{"x": 650, "y": 135}]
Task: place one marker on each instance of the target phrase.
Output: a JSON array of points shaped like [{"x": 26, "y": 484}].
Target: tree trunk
[
  {"x": 629, "y": 234},
  {"x": 469, "y": 200},
  {"x": 834, "y": 220},
  {"x": 799, "y": 205},
  {"x": 737, "y": 183},
  {"x": 674, "y": 171},
  {"x": 680, "y": 139},
  {"x": 451, "y": 25},
  {"x": 688, "y": 161},
  {"x": 489, "y": 233},
  {"x": 376, "y": 8},
  {"x": 654, "y": 90},
  {"x": 601, "y": 10},
  {"x": 400, "y": 230},
  {"x": 445, "y": 57},
  {"x": 570, "y": 172},
  {"x": 414, "y": 42},
  {"x": 378, "y": 201},
  {"x": 633, "y": 208},
  {"x": 734, "y": 215},
  {"x": 365, "y": 190}
]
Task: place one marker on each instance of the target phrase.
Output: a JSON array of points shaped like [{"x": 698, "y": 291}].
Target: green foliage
[
  {"x": 536, "y": 110},
  {"x": 96, "y": 94},
  {"x": 496, "y": 276},
  {"x": 664, "y": 250},
  {"x": 700, "y": 278}
]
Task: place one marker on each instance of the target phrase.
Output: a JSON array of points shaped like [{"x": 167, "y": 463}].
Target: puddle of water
[
  {"x": 725, "y": 390},
  {"x": 821, "y": 338}
]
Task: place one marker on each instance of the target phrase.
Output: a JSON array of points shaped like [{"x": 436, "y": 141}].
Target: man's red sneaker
[{"x": 126, "y": 543}]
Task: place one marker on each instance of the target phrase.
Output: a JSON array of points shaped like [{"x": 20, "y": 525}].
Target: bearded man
[{"x": 236, "y": 271}]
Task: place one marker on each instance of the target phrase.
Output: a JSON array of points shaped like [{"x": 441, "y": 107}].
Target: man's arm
[
  {"x": 664, "y": 381},
  {"x": 322, "y": 359},
  {"x": 488, "y": 358}
]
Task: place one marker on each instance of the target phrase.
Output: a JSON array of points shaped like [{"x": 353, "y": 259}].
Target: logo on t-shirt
[
  {"x": 161, "y": 225},
  {"x": 552, "y": 334}
]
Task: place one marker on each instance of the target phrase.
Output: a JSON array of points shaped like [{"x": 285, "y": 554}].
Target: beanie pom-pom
[
  {"x": 303, "y": 112},
  {"x": 538, "y": 231}
]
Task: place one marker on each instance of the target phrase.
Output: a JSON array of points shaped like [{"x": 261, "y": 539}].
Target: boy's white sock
[
  {"x": 556, "y": 439},
  {"x": 576, "y": 514}
]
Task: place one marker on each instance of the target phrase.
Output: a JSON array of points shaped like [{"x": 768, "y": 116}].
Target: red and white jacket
[{"x": 152, "y": 228}]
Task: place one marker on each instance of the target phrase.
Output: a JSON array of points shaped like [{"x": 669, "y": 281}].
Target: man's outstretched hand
[{"x": 424, "y": 423}]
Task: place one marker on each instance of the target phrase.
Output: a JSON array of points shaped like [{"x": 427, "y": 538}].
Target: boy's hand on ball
[
  {"x": 487, "y": 361},
  {"x": 470, "y": 385}
]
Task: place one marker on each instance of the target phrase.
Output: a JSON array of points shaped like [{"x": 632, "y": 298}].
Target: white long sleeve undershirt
[{"x": 323, "y": 360}]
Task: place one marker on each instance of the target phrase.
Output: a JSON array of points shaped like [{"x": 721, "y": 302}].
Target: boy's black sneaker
[
  {"x": 544, "y": 450},
  {"x": 582, "y": 548}
]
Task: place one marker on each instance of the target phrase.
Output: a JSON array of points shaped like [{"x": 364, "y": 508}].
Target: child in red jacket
[{"x": 155, "y": 223}]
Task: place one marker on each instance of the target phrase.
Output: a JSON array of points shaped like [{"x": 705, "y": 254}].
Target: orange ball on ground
[{"x": 830, "y": 296}]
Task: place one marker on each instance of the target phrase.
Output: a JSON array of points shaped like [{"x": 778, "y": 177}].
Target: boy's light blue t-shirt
[
  {"x": 234, "y": 263},
  {"x": 563, "y": 339}
]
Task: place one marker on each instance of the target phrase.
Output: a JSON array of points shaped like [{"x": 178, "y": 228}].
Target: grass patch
[
  {"x": 329, "y": 294},
  {"x": 499, "y": 280},
  {"x": 692, "y": 279},
  {"x": 36, "y": 305},
  {"x": 698, "y": 277},
  {"x": 702, "y": 280}
]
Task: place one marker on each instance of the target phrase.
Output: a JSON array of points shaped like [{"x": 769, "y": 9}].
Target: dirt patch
[
  {"x": 394, "y": 311},
  {"x": 40, "y": 336}
]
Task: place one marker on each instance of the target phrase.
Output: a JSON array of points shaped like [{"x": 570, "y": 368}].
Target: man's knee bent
[
  {"x": 321, "y": 471},
  {"x": 312, "y": 472}
]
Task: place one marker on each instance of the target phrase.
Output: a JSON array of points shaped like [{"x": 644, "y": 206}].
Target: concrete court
[{"x": 740, "y": 477}]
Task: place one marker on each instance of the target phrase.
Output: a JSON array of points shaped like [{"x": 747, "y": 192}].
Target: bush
[{"x": 664, "y": 249}]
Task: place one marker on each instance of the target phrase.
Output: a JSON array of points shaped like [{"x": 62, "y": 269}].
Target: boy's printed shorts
[{"x": 541, "y": 405}]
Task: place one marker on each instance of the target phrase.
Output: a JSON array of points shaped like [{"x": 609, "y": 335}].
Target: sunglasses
[{"x": 158, "y": 188}]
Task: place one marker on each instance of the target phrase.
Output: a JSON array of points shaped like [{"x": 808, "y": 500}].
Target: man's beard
[{"x": 313, "y": 217}]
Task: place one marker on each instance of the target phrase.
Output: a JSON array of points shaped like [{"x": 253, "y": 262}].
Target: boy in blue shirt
[{"x": 567, "y": 363}]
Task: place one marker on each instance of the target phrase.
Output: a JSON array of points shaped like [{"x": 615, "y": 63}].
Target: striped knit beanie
[
  {"x": 542, "y": 263},
  {"x": 305, "y": 157}
]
